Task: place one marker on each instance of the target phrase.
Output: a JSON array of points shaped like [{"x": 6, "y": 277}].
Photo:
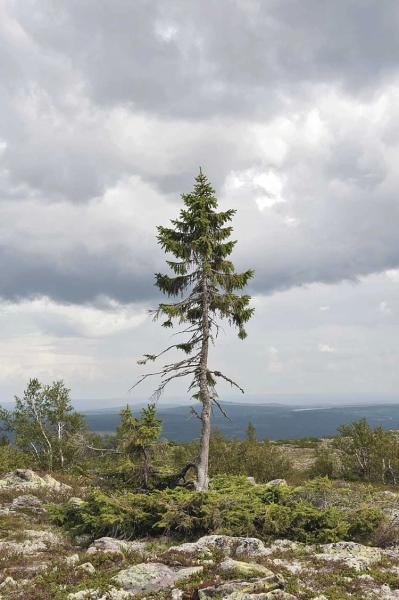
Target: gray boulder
[
  {"x": 115, "y": 546},
  {"x": 353, "y": 555},
  {"x": 202, "y": 550},
  {"x": 277, "y": 482},
  {"x": 28, "y": 502},
  {"x": 256, "y": 589},
  {"x": 152, "y": 577},
  {"x": 22, "y": 479},
  {"x": 244, "y": 570},
  {"x": 87, "y": 568}
]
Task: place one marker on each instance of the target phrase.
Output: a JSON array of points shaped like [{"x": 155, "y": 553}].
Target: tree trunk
[
  {"x": 60, "y": 452},
  {"x": 203, "y": 455},
  {"x": 45, "y": 437}
]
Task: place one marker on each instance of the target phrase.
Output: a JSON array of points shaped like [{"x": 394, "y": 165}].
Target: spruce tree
[{"x": 204, "y": 283}]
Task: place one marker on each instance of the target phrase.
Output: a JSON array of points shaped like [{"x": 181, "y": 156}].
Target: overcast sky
[{"x": 107, "y": 109}]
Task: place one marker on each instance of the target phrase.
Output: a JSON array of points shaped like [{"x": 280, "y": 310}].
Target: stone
[
  {"x": 293, "y": 566},
  {"x": 152, "y": 577},
  {"x": 351, "y": 554},
  {"x": 27, "y": 547},
  {"x": 86, "y": 568},
  {"x": 115, "y": 546},
  {"x": 28, "y": 479},
  {"x": 176, "y": 594},
  {"x": 244, "y": 570},
  {"x": 28, "y": 502},
  {"x": 202, "y": 550},
  {"x": 8, "y": 582},
  {"x": 72, "y": 560},
  {"x": 83, "y": 595},
  {"x": 279, "y": 595},
  {"x": 114, "y": 594},
  {"x": 239, "y": 590},
  {"x": 287, "y": 545},
  {"x": 36, "y": 541},
  {"x": 277, "y": 482},
  {"x": 251, "y": 548}
]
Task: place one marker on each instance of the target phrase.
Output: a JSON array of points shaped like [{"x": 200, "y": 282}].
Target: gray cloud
[
  {"x": 303, "y": 93},
  {"x": 196, "y": 59}
]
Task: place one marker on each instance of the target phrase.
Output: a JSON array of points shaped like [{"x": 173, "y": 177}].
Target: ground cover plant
[{"x": 232, "y": 506}]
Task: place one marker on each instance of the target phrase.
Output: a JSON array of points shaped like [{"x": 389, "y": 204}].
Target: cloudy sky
[{"x": 107, "y": 109}]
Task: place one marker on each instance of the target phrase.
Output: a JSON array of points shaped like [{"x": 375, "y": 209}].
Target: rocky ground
[{"x": 38, "y": 561}]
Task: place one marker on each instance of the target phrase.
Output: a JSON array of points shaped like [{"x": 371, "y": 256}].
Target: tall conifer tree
[{"x": 204, "y": 283}]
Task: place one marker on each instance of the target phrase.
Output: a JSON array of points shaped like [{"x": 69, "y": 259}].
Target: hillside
[
  {"x": 272, "y": 421},
  {"x": 45, "y": 555}
]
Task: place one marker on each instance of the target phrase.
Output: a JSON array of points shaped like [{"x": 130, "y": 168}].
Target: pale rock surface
[
  {"x": 152, "y": 577},
  {"x": 115, "y": 546},
  {"x": 244, "y": 570},
  {"x": 9, "y": 582},
  {"x": 277, "y": 482},
  {"x": 293, "y": 566},
  {"x": 83, "y": 595},
  {"x": 255, "y": 589},
  {"x": 72, "y": 560},
  {"x": 36, "y": 541},
  {"x": 27, "y": 479},
  {"x": 352, "y": 554},
  {"x": 86, "y": 568},
  {"x": 202, "y": 549},
  {"x": 28, "y": 502}
]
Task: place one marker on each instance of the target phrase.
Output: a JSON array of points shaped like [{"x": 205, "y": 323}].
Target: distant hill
[{"x": 272, "y": 421}]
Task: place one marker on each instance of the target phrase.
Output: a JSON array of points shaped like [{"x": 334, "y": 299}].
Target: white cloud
[
  {"x": 393, "y": 275},
  {"x": 76, "y": 320},
  {"x": 274, "y": 363},
  {"x": 97, "y": 146},
  {"x": 326, "y": 348},
  {"x": 384, "y": 308}
]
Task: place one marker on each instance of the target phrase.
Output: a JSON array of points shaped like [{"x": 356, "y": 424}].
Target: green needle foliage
[
  {"x": 139, "y": 440},
  {"x": 204, "y": 283}
]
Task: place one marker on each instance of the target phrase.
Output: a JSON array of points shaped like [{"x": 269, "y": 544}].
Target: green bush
[
  {"x": 232, "y": 507},
  {"x": 325, "y": 464},
  {"x": 11, "y": 459},
  {"x": 364, "y": 523}
]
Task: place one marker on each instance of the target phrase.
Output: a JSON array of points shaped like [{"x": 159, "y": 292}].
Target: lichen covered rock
[{"x": 152, "y": 577}]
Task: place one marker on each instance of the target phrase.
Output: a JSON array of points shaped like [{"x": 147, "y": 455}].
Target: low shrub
[
  {"x": 233, "y": 506},
  {"x": 364, "y": 522},
  {"x": 11, "y": 458}
]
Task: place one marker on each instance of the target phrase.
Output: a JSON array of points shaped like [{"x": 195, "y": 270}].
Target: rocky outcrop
[
  {"x": 203, "y": 550},
  {"x": 87, "y": 568},
  {"x": 277, "y": 482},
  {"x": 115, "y": 546},
  {"x": 239, "y": 568},
  {"x": 256, "y": 589},
  {"x": 351, "y": 554},
  {"x": 214, "y": 567},
  {"x": 152, "y": 577},
  {"x": 22, "y": 479},
  {"x": 28, "y": 503},
  {"x": 34, "y": 542}
]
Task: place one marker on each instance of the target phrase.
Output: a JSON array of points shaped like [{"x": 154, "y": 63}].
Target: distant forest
[{"x": 272, "y": 422}]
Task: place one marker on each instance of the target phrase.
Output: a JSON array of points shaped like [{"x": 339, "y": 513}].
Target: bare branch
[{"x": 232, "y": 383}]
